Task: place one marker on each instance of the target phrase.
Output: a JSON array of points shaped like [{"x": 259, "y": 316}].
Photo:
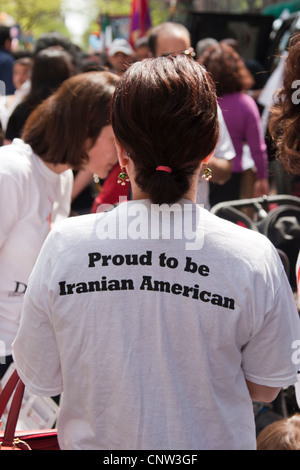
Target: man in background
[
  {"x": 169, "y": 38},
  {"x": 6, "y": 60},
  {"x": 120, "y": 56}
]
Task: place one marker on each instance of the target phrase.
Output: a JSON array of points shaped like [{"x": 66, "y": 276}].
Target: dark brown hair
[
  {"x": 4, "y": 35},
  {"x": 164, "y": 112},
  {"x": 25, "y": 61},
  {"x": 284, "y": 122},
  {"x": 50, "y": 68},
  {"x": 281, "y": 435},
  {"x": 58, "y": 129},
  {"x": 227, "y": 69}
]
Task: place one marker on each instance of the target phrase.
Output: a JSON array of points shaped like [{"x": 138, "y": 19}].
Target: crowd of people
[{"x": 155, "y": 336}]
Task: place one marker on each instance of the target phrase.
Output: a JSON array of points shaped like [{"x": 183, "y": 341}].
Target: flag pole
[
  {"x": 140, "y": 20},
  {"x": 172, "y": 9}
]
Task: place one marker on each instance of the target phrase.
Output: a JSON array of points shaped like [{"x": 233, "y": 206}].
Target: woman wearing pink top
[{"x": 242, "y": 118}]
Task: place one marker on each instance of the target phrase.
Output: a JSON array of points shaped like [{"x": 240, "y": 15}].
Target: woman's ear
[
  {"x": 206, "y": 160},
  {"x": 122, "y": 154}
]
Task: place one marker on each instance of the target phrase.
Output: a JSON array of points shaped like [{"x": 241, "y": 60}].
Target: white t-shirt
[
  {"x": 9, "y": 103},
  {"x": 32, "y": 198},
  {"x": 150, "y": 336}
]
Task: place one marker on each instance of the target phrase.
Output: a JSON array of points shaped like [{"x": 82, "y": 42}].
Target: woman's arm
[{"x": 262, "y": 392}]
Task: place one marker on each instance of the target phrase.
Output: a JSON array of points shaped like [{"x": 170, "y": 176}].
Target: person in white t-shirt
[
  {"x": 69, "y": 130},
  {"x": 158, "y": 321},
  {"x": 21, "y": 80}
]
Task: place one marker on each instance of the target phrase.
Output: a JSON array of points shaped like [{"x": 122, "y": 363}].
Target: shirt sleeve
[
  {"x": 268, "y": 356},
  {"x": 224, "y": 148},
  {"x": 255, "y": 139},
  {"x": 35, "y": 344},
  {"x": 10, "y": 205}
]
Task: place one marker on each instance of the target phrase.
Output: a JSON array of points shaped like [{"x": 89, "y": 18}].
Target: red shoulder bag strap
[{"x": 13, "y": 383}]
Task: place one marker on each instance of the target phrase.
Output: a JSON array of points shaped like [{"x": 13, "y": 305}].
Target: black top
[{"x": 17, "y": 120}]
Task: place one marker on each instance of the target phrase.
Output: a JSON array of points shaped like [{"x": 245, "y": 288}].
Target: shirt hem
[
  {"x": 272, "y": 382},
  {"x": 41, "y": 392}
]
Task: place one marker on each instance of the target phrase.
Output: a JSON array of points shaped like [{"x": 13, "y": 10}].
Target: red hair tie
[{"x": 164, "y": 168}]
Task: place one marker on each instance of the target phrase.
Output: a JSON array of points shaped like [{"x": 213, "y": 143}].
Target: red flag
[{"x": 140, "y": 20}]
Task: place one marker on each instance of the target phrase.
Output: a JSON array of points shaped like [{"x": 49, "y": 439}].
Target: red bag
[{"x": 10, "y": 439}]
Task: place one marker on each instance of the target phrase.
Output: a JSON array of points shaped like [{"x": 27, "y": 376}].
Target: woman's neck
[{"x": 190, "y": 195}]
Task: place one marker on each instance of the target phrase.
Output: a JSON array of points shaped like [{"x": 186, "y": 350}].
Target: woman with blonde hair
[{"x": 283, "y": 434}]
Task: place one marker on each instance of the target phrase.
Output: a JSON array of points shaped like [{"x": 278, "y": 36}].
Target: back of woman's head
[
  {"x": 227, "y": 69},
  {"x": 285, "y": 114},
  {"x": 50, "y": 68},
  {"x": 58, "y": 40},
  {"x": 59, "y": 128},
  {"x": 164, "y": 113},
  {"x": 281, "y": 435}
]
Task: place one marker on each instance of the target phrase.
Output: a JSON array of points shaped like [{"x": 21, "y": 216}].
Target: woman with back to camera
[
  {"x": 155, "y": 317},
  {"x": 69, "y": 130}
]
